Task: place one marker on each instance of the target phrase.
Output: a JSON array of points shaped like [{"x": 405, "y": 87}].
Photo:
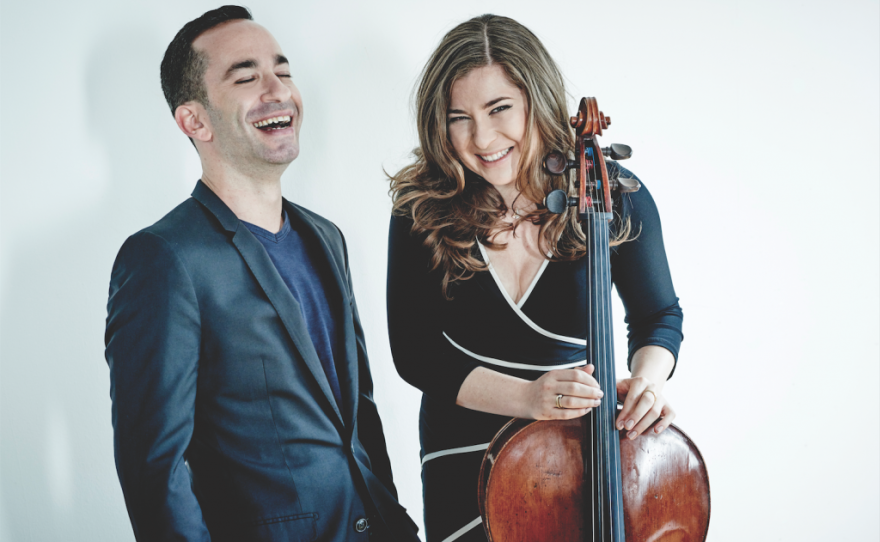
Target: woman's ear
[{"x": 192, "y": 119}]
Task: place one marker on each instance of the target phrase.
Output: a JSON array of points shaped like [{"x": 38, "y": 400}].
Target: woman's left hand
[{"x": 643, "y": 404}]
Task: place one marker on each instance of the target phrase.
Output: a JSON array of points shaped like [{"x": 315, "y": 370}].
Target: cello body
[
  {"x": 531, "y": 486},
  {"x": 582, "y": 480}
]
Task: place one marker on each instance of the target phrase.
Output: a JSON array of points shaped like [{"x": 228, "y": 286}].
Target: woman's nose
[{"x": 483, "y": 135}]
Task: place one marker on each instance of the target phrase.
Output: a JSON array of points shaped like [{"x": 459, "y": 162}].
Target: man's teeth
[
  {"x": 274, "y": 120},
  {"x": 497, "y": 156}
]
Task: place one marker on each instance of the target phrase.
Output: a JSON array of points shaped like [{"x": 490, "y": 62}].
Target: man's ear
[{"x": 192, "y": 119}]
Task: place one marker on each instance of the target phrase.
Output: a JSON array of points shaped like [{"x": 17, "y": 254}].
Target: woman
[{"x": 486, "y": 289}]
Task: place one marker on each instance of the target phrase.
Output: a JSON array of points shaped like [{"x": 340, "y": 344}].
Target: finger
[
  {"x": 623, "y": 388},
  {"x": 637, "y": 404},
  {"x": 651, "y": 415},
  {"x": 553, "y": 413},
  {"x": 569, "y": 413},
  {"x": 576, "y": 389},
  {"x": 578, "y": 375},
  {"x": 667, "y": 416},
  {"x": 571, "y": 402},
  {"x": 636, "y": 389}
]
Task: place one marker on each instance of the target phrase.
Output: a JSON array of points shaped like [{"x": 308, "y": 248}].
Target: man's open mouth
[{"x": 275, "y": 123}]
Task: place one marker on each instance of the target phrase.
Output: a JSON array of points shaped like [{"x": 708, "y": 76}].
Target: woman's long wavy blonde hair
[{"x": 451, "y": 204}]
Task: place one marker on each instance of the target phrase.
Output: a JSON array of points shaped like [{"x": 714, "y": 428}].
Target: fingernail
[
  {"x": 620, "y": 425},
  {"x": 631, "y": 435},
  {"x": 601, "y": 393},
  {"x": 630, "y": 424}
]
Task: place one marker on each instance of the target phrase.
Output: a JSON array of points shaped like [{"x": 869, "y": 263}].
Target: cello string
[
  {"x": 584, "y": 221},
  {"x": 603, "y": 362},
  {"x": 615, "y": 482},
  {"x": 600, "y": 365},
  {"x": 598, "y": 340},
  {"x": 594, "y": 457},
  {"x": 596, "y": 442},
  {"x": 598, "y": 222},
  {"x": 598, "y": 242},
  {"x": 609, "y": 407},
  {"x": 602, "y": 242}
]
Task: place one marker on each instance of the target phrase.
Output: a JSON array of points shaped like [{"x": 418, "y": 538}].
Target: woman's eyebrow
[
  {"x": 495, "y": 101},
  {"x": 486, "y": 106}
]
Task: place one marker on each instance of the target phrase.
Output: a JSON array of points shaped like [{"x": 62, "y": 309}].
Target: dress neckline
[
  {"x": 517, "y": 308},
  {"x": 522, "y": 300}
]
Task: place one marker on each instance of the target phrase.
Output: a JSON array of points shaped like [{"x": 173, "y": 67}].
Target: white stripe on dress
[
  {"x": 519, "y": 312},
  {"x": 457, "y": 534},
  {"x": 452, "y": 451},
  {"x": 511, "y": 364}
]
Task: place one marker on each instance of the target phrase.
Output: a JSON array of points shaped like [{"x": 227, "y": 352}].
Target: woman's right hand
[{"x": 579, "y": 390}]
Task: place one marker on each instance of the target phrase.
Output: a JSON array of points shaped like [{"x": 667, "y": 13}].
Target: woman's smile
[
  {"x": 495, "y": 157},
  {"x": 487, "y": 125}
]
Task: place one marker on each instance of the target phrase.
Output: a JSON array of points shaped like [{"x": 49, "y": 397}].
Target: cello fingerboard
[{"x": 602, "y": 455}]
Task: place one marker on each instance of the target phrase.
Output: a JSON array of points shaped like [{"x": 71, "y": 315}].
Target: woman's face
[{"x": 487, "y": 125}]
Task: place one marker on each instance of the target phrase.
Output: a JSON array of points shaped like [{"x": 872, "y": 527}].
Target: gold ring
[
  {"x": 652, "y": 393},
  {"x": 558, "y": 397}
]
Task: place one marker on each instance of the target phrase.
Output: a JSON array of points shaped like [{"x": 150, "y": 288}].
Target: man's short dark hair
[{"x": 183, "y": 68}]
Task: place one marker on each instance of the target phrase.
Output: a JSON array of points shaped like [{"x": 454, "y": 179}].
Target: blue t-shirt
[{"x": 304, "y": 269}]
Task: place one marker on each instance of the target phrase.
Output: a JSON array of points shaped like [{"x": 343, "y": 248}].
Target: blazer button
[{"x": 361, "y": 525}]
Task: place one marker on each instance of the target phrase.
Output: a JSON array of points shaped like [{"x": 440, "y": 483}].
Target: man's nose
[{"x": 275, "y": 90}]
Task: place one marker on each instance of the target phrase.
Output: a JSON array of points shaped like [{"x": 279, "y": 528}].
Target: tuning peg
[
  {"x": 628, "y": 185},
  {"x": 557, "y": 201},
  {"x": 617, "y": 151},
  {"x": 556, "y": 163}
]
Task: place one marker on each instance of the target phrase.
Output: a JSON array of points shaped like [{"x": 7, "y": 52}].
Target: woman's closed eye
[{"x": 455, "y": 119}]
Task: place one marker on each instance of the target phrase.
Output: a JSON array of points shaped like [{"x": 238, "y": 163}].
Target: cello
[{"x": 582, "y": 480}]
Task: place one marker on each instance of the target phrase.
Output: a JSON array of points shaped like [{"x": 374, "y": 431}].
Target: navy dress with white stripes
[{"x": 436, "y": 343}]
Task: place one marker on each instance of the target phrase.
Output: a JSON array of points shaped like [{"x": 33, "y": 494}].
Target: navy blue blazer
[{"x": 225, "y": 427}]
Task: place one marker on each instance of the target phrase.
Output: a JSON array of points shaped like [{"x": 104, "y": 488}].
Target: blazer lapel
[
  {"x": 270, "y": 281},
  {"x": 333, "y": 253}
]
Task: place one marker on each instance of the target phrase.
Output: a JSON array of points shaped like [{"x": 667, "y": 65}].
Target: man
[{"x": 233, "y": 338}]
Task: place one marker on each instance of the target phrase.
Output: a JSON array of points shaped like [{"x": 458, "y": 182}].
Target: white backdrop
[{"x": 756, "y": 125}]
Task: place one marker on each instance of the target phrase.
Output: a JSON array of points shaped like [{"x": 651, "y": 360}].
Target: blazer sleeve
[
  {"x": 369, "y": 425},
  {"x": 152, "y": 347}
]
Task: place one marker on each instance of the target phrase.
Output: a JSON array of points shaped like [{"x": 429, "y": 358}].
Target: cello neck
[{"x": 602, "y": 455}]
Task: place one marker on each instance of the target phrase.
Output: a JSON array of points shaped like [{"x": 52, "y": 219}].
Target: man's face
[{"x": 254, "y": 108}]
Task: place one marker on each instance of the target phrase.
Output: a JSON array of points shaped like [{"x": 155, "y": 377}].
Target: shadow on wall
[{"x": 58, "y": 472}]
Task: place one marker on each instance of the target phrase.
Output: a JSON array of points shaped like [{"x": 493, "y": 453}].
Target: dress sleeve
[
  {"x": 640, "y": 271},
  {"x": 423, "y": 357}
]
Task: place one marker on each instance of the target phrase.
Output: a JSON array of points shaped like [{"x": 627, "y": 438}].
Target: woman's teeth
[
  {"x": 275, "y": 120},
  {"x": 497, "y": 156}
]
